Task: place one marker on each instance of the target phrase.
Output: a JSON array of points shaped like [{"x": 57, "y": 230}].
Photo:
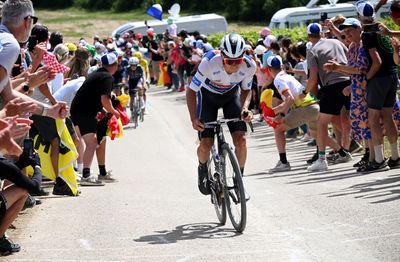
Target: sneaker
[
  {"x": 91, "y": 181},
  {"x": 306, "y": 138},
  {"x": 336, "y": 158},
  {"x": 373, "y": 166},
  {"x": 355, "y": 147},
  {"x": 108, "y": 178},
  {"x": 29, "y": 202},
  {"x": 313, "y": 158},
  {"x": 182, "y": 89},
  {"x": 364, "y": 160},
  {"x": 41, "y": 192},
  {"x": 393, "y": 164},
  {"x": 312, "y": 143},
  {"x": 61, "y": 188},
  {"x": 261, "y": 118},
  {"x": 280, "y": 167},
  {"x": 319, "y": 165},
  {"x": 203, "y": 183},
  {"x": 7, "y": 247}
]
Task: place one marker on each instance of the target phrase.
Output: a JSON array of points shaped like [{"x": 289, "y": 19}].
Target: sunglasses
[
  {"x": 34, "y": 18},
  {"x": 230, "y": 61}
]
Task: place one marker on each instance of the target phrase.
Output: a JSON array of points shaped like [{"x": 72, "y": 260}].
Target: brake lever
[{"x": 245, "y": 114}]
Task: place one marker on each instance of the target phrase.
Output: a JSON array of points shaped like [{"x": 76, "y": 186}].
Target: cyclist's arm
[{"x": 245, "y": 94}]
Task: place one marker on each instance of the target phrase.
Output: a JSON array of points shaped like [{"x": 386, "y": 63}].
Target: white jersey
[
  {"x": 212, "y": 76},
  {"x": 68, "y": 91},
  {"x": 284, "y": 82}
]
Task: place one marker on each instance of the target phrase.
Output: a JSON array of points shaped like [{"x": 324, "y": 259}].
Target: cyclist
[
  {"x": 223, "y": 80},
  {"x": 145, "y": 65},
  {"x": 134, "y": 80}
]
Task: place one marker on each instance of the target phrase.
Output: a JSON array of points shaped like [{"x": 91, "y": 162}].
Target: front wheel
[
  {"x": 217, "y": 192},
  {"x": 234, "y": 189}
]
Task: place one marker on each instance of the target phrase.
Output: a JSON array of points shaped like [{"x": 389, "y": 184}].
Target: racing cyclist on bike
[
  {"x": 135, "y": 81},
  {"x": 223, "y": 80}
]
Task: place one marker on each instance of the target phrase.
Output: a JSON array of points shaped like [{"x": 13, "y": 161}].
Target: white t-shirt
[
  {"x": 9, "y": 51},
  {"x": 56, "y": 83},
  {"x": 284, "y": 82},
  {"x": 67, "y": 92},
  {"x": 211, "y": 74}
]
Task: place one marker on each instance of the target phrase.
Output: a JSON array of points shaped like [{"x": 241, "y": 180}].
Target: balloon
[{"x": 155, "y": 11}]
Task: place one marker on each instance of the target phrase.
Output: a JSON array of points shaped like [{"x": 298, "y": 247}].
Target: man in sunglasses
[
  {"x": 223, "y": 80},
  {"x": 17, "y": 21}
]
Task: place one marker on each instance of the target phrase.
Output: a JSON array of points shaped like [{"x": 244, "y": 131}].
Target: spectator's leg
[
  {"x": 101, "y": 157},
  {"x": 55, "y": 151},
  {"x": 374, "y": 116},
  {"x": 16, "y": 198},
  {"x": 91, "y": 144}
]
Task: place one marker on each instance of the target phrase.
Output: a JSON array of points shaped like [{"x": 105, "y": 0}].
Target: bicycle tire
[
  {"x": 135, "y": 113},
  {"x": 234, "y": 190},
  {"x": 141, "y": 115},
  {"x": 217, "y": 192}
]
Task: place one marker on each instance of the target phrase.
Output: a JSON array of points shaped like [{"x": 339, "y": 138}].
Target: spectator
[
  {"x": 94, "y": 94},
  {"x": 382, "y": 81},
  {"x": 330, "y": 95}
]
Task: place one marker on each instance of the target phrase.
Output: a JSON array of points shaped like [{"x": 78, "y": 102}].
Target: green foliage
[
  {"x": 295, "y": 34},
  {"x": 53, "y": 3}
]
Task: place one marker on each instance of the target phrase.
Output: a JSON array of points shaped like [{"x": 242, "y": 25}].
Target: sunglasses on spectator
[
  {"x": 34, "y": 18},
  {"x": 230, "y": 61}
]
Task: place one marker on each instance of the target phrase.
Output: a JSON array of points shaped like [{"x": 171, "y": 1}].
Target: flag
[{"x": 155, "y": 11}]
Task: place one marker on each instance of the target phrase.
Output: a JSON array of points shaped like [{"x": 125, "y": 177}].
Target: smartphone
[
  {"x": 324, "y": 16},
  {"x": 28, "y": 146},
  {"x": 371, "y": 28}
]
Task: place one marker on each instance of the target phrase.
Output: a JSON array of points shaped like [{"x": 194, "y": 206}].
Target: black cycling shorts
[
  {"x": 208, "y": 104},
  {"x": 86, "y": 124}
]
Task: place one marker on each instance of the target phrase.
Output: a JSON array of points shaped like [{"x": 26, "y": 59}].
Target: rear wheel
[
  {"x": 217, "y": 192},
  {"x": 234, "y": 190}
]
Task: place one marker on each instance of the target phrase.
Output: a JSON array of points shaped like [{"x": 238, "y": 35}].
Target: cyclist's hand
[
  {"x": 198, "y": 125},
  {"x": 247, "y": 115}
]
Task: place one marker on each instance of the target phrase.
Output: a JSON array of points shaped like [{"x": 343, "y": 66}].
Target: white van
[
  {"x": 302, "y": 16},
  {"x": 206, "y": 24}
]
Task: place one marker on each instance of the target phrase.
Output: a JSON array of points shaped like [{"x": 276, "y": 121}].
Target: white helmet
[
  {"x": 133, "y": 61},
  {"x": 232, "y": 45}
]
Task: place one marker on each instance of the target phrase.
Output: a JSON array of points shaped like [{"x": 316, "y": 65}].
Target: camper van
[
  {"x": 302, "y": 16},
  {"x": 205, "y": 24}
]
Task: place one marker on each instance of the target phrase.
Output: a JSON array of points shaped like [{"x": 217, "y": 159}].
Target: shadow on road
[
  {"x": 385, "y": 188},
  {"x": 188, "y": 232}
]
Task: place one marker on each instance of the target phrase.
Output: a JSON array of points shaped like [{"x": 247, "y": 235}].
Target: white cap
[
  {"x": 260, "y": 49},
  {"x": 109, "y": 59},
  {"x": 268, "y": 40}
]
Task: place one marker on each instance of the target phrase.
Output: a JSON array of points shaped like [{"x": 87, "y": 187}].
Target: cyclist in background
[
  {"x": 223, "y": 80},
  {"x": 145, "y": 65},
  {"x": 134, "y": 80}
]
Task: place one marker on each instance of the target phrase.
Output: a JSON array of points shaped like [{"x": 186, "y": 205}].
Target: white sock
[
  {"x": 80, "y": 168},
  {"x": 379, "y": 156},
  {"x": 395, "y": 151}
]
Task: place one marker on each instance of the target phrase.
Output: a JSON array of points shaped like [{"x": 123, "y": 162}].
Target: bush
[
  {"x": 93, "y": 4},
  {"x": 53, "y": 3},
  {"x": 295, "y": 34},
  {"x": 126, "y": 5}
]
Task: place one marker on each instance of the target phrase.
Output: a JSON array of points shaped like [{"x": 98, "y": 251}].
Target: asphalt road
[{"x": 155, "y": 212}]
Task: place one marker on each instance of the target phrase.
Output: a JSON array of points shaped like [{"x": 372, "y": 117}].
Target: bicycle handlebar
[{"x": 226, "y": 120}]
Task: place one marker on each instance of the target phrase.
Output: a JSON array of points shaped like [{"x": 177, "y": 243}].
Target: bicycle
[
  {"x": 226, "y": 184},
  {"x": 137, "y": 111}
]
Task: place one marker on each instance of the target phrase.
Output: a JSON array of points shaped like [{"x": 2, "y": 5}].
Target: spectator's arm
[
  {"x": 376, "y": 63},
  {"x": 106, "y": 102},
  {"x": 44, "y": 89},
  {"x": 395, "y": 44},
  {"x": 312, "y": 83},
  {"x": 286, "y": 104},
  {"x": 379, "y": 5}
]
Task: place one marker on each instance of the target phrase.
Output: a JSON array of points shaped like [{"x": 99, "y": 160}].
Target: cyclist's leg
[
  {"x": 232, "y": 109},
  {"x": 207, "y": 111}
]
